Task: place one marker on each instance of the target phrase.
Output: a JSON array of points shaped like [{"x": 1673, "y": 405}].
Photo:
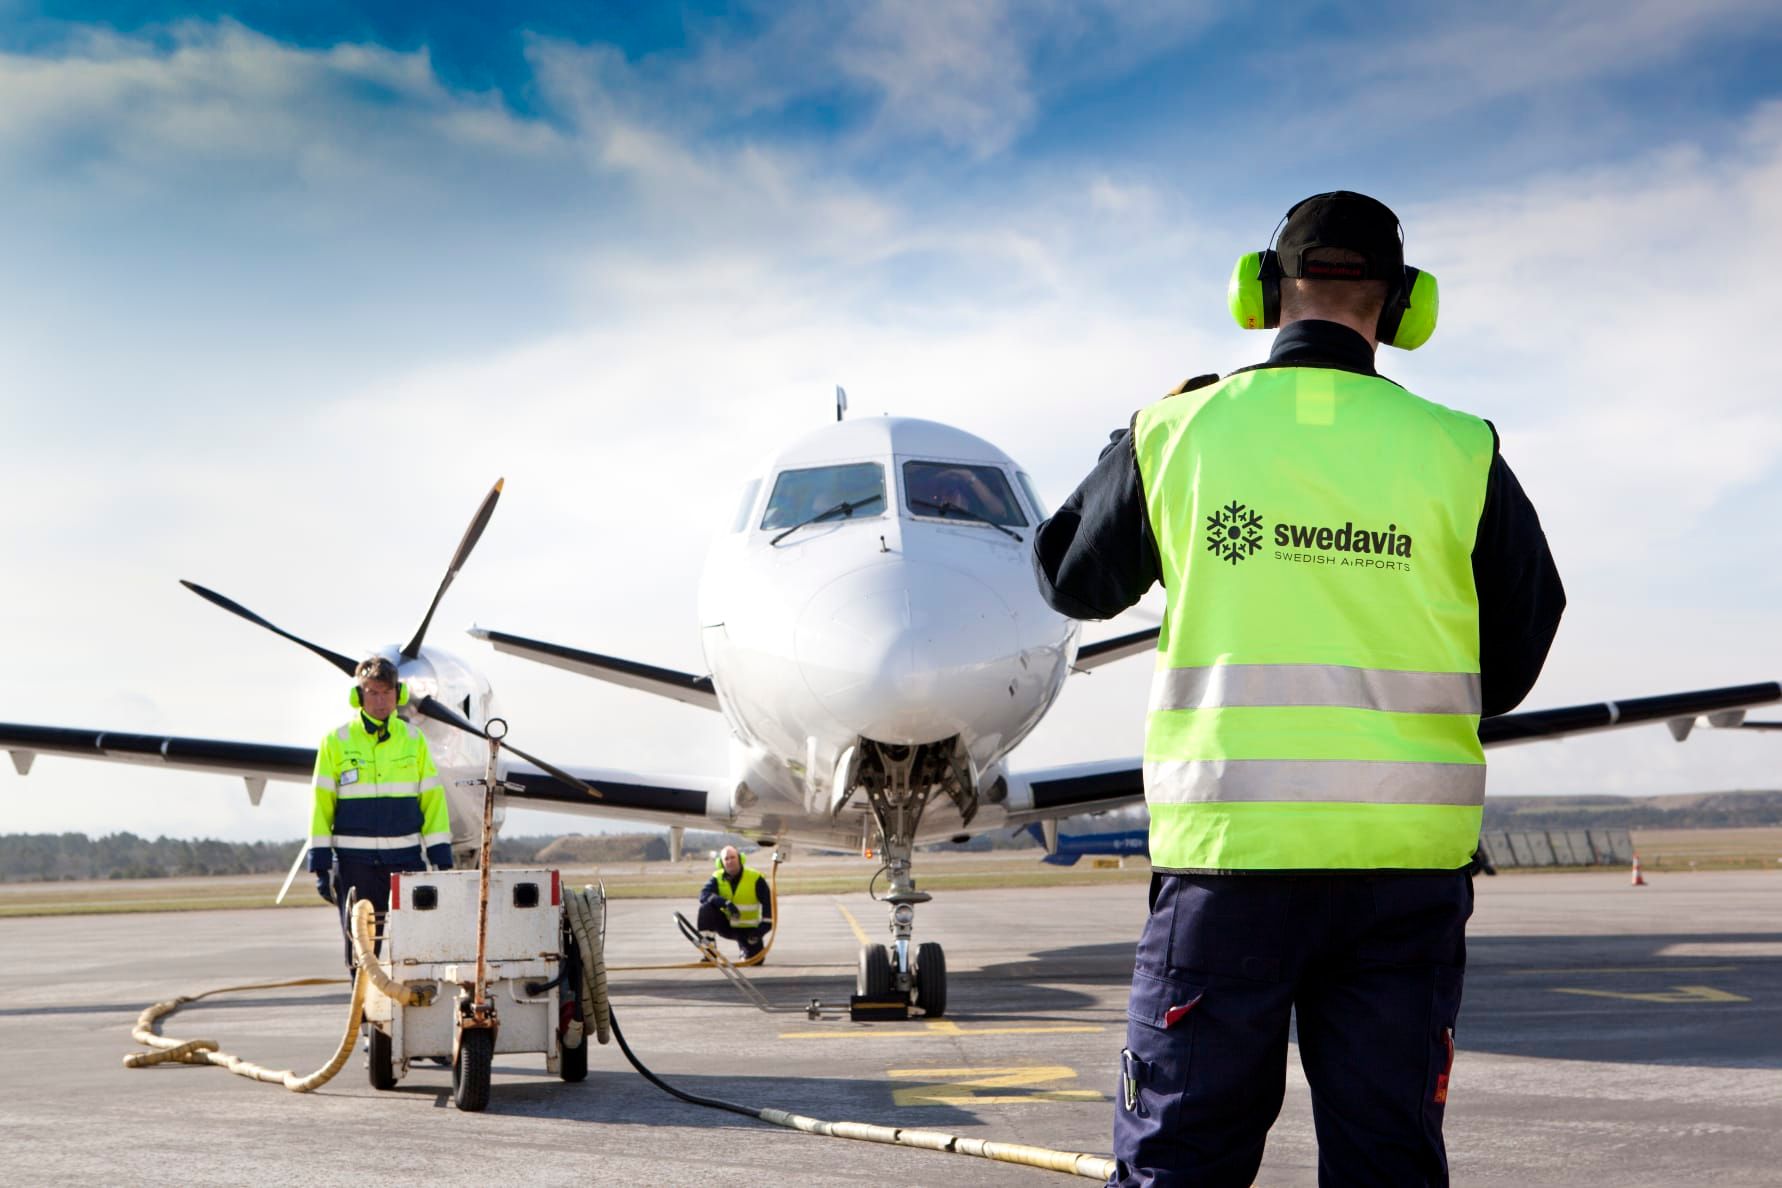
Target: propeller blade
[
  {"x": 235, "y": 608},
  {"x": 472, "y": 534},
  {"x": 296, "y": 865},
  {"x": 433, "y": 709}
]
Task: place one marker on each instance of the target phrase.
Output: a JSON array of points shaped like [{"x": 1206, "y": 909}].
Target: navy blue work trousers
[
  {"x": 1370, "y": 966},
  {"x": 363, "y": 881},
  {"x": 713, "y": 919}
]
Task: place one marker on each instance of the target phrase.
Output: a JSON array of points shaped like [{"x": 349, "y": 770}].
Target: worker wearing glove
[
  {"x": 380, "y": 806},
  {"x": 735, "y": 903}
]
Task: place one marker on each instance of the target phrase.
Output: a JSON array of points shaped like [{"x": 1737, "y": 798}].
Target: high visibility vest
[
  {"x": 381, "y": 803},
  {"x": 1316, "y": 700},
  {"x": 746, "y": 894}
]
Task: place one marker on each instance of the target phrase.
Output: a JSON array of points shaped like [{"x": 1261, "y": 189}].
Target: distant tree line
[
  {"x": 49, "y": 857},
  {"x": 1704, "y": 810}
]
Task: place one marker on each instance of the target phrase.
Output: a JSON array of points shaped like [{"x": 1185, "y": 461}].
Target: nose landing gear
[{"x": 902, "y": 972}]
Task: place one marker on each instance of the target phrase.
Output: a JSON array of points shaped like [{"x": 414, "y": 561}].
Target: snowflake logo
[{"x": 1234, "y": 532}]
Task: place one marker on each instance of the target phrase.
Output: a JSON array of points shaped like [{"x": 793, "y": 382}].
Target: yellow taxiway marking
[
  {"x": 1674, "y": 994},
  {"x": 859, "y": 932},
  {"x": 1611, "y": 969},
  {"x": 964, "y": 1086},
  {"x": 944, "y": 1027}
]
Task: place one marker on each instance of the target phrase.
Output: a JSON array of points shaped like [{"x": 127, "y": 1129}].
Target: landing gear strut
[{"x": 899, "y": 781}]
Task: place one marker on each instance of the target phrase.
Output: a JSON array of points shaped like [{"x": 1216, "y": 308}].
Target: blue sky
[{"x": 271, "y": 270}]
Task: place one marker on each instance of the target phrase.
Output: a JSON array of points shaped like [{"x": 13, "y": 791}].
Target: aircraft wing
[
  {"x": 254, "y": 762},
  {"x": 1117, "y": 783},
  {"x": 1104, "y": 651},
  {"x": 1680, "y": 711},
  {"x": 664, "y": 682}
]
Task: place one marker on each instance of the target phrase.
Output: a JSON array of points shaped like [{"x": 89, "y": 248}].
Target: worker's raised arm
[{"x": 1096, "y": 556}]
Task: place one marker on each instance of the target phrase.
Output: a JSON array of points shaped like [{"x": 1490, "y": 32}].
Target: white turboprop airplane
[{"x": 878, "y": 648}]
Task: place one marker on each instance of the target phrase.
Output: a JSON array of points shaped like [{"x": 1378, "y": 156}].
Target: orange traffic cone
[{"x": 1639, "y": 880}]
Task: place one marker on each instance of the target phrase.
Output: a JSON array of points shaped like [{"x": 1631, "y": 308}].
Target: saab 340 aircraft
[{"x": 878, "y": 648}]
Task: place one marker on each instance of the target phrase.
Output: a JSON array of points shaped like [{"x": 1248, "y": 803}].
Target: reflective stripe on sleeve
[
  {"x": 1394, "y": 691},
  {"x": 1303, "y": 780},
  {"x": 321, "y": 843},
  {"x": 436, "y": 839}
]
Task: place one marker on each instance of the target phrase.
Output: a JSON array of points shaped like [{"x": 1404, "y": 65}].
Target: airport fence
[{"x": 1558, "y": 847}]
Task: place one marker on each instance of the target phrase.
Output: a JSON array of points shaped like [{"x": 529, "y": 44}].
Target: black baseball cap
[{"x": 1342, "y": 219}]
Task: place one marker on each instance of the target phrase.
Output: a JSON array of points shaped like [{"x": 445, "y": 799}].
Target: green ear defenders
[
  {"x": 1406, "y": 321},
  {"x": 357, "y": 702}
]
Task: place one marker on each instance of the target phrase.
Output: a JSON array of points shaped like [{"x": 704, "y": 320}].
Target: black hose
[{"x": 693, "y": 1098}]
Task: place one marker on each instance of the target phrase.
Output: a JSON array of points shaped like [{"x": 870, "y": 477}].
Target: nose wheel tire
[
  {"x": 470, "y": 1072},
  {"x": 379, "y": 1062},
  {"x": 875, "y": 977},
  {"x": 931, "y": 980}
]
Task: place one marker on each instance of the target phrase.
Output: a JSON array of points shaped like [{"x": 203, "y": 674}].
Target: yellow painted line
[
  {"x": 963, "y": 1085},
  {"x": 944, "y": 1027},
  {"x": 1674, "y": 995},
  {"x": 1611, "y": 969},
  {"x": 859, "y": 932}
]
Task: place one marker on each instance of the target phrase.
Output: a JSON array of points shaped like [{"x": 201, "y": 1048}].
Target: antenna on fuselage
[{"x": 841, "y": 401}]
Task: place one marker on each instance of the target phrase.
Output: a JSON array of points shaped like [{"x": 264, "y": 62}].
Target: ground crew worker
[
  {"x": 380, "y": 806},
  {"x": 1353, "y": 577},
  {"x": 735, "y": 903}
]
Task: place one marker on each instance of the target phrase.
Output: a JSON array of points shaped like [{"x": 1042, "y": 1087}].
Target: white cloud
[{"x": 706, "y": 292}]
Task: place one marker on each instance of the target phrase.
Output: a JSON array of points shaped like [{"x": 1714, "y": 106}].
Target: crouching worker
[
  {"x": 735, "y": 903},
  {"x": 380, "y": 806}
]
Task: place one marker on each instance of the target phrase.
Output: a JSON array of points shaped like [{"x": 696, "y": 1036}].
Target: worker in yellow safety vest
[
  {"x": 380, "y": 806},
  {"x": 735, "y": 903},
  {"x": 1353, "y": 577}
]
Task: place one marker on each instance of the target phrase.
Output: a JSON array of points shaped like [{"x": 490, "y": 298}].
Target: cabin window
[
  {"x": 960, "y": 491},
  {"x": 800, "y": 495}
]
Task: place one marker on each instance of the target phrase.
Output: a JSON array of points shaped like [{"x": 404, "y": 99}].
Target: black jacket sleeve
[
  {"x": 709, "y": 892},
  {"x": 1096, "y": 556},
  {"x": 1520, "y": 595}
]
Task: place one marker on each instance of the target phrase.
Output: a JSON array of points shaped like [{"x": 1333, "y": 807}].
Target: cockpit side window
[
  {"x": 799, "y": 495},
  {"x": 1032, "y": 493},
  {"x": 937, "y": 490},
  {"x": 745, "y": 506}
]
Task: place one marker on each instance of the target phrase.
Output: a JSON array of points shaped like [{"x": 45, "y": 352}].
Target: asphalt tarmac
[{"x": 1610, "y": 1035}]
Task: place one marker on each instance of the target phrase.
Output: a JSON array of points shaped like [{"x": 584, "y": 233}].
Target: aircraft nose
[{"x": 908, "y": 652}]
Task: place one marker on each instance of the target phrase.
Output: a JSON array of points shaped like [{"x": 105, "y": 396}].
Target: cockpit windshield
[
  {"x": 800, "y": 494},
  {"x": 939, "y": 490}
]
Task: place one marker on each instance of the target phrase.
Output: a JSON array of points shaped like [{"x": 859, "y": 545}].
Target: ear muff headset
[
  {"x": 357, "y": 701},
  {"x": 1406, "y": 321}
]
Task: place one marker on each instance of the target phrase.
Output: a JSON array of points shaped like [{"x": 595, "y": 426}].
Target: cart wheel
[
  {"x": 572, "y": 1063},
  {"x": 874, "y": 978},
  {"x": 470, "y": 1073},
  {"x": 380, "y": 1064},
  {"x": 931, "y": 979}
]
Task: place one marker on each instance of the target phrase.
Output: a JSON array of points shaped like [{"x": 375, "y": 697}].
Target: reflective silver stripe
[
  {"x": 325, "y": 783},
  {"x": 1344, "y": 781},
  {"x": 344, "y": 732},
  {"x": 435, "y": 839},
  {"x": 321, "y": 843},
  {"x": 343, "y": 841},
  {"x": 361, "y": 790},
  {"x": 1385, "y": 689}
]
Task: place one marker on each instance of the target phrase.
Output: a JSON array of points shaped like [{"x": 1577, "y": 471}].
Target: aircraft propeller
[{"x": 425, "y": 705}]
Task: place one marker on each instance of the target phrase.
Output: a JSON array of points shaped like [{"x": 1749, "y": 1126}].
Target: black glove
[
  {"x": 731, "y": 910},
  {"x": 325, "y": 884}
]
